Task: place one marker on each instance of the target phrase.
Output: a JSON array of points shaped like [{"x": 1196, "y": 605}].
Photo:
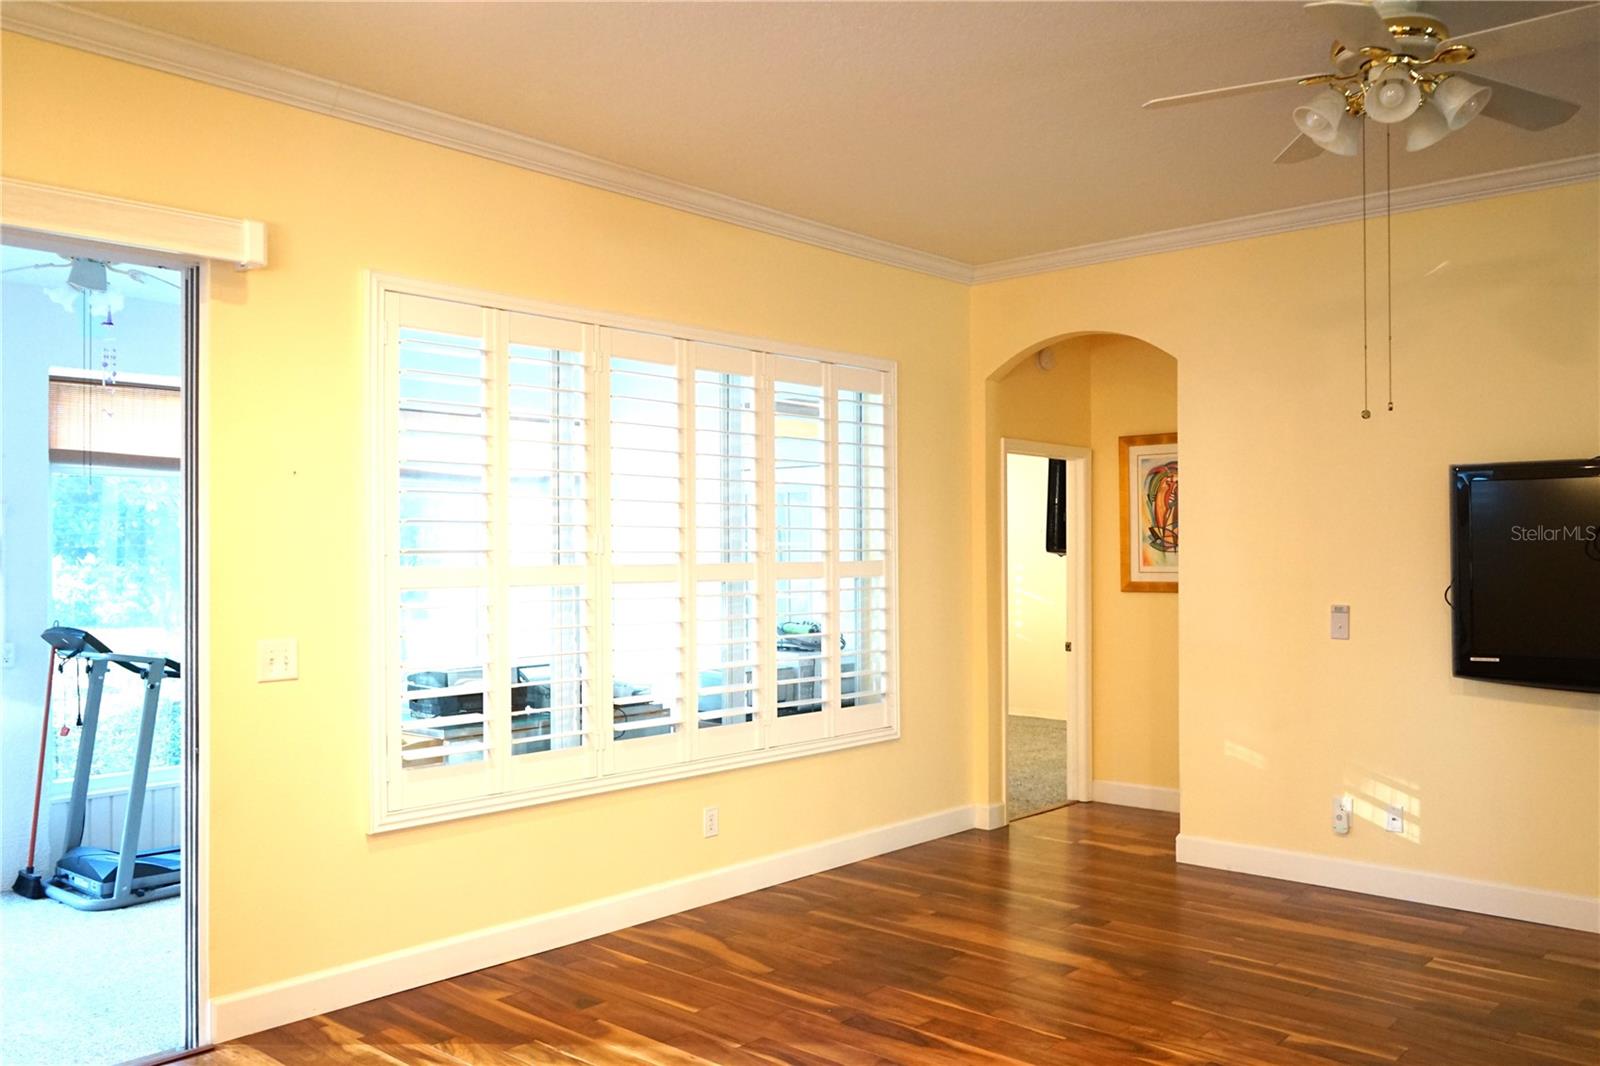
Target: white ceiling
[{"x": 975, "y": 131}]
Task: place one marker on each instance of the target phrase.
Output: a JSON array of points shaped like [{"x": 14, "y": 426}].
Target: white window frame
[{"x": 705, "y": 752}]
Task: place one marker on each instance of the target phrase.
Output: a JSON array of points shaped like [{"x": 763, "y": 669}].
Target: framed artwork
[{"x": 1149, "y": 491}]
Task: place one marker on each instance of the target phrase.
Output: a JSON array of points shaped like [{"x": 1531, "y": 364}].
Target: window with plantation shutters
[{"x": 615, "y": 553}]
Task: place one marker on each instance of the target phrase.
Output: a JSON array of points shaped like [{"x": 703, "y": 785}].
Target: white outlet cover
[
  {"x": 1395, "y": 820},
  {"x": 1341, "y": 815}
]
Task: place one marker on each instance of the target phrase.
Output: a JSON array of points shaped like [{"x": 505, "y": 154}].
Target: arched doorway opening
[{"x": 1085, "y": 692}]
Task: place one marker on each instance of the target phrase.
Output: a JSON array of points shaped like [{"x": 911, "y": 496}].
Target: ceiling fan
[{"x": 1396, "y": 64}]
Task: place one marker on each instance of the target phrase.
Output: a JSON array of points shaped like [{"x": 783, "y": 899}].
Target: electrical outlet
[
  {"x": 1339, "y": 622},
  {"x": 277, "y": 660},
  {"x": 1395, "y": 819},
  {"x": 710, "y": 823},
  {"x": 1341, "y": 814}
]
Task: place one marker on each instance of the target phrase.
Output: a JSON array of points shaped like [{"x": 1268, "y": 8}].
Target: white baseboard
[
  {"x": 989, "y": 816},
  {"x": 267, "y": 1006},
  {"x": 1126, "y": 794},
  {"x": 1395, "y": 882}
]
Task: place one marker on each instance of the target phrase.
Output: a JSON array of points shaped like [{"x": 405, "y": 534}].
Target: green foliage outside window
[{"x": 116, "y": 556}]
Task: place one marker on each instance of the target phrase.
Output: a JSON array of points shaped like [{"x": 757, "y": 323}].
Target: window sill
[{"x": 388, "y": 821}]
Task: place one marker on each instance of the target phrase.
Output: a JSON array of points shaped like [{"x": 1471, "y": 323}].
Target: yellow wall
[
  {"x": 1103, "y": 387},
  {"x": 1036, "y": 601},
  {"x": 1134, "y": 390},
  {"x": 1291, "y": 502},
  {"x": 1051, "y": 406},
  {"x": 297, "y": 884}
]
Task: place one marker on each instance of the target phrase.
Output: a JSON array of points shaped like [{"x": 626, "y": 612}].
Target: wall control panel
[{"x": 277, "y": 660}]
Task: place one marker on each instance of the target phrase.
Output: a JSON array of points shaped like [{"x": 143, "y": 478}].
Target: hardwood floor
[{"x": 1072, "y": 937}]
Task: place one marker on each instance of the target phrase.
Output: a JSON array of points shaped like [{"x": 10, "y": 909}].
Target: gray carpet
[
  {"x": 1036, "y": 765},
  {"x": 80, "y": 988}
]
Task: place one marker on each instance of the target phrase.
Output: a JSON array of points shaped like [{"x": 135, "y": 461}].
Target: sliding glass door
[{"x": 98, "y": 953}]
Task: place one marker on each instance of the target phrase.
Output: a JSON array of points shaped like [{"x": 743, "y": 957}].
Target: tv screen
[{"x": 1526, "y": 581}]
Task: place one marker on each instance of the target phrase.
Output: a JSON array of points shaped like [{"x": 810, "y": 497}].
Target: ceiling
[{"x": 973, "y": 131}]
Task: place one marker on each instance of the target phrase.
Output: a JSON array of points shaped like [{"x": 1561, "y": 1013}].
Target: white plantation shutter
[
  {"x": 441, "y": 396},
  {"x": 728, "y": 625},
  {"x": 612, "y": 556},
  {"x": 802, "y": 493},
  {"x": 548, "y": 583},
  {"x": 860, "y": 398},
  {"x": 648, "y": 507}
]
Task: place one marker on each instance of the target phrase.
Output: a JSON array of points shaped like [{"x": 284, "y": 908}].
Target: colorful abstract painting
[{"x": 1149, "y": 494}]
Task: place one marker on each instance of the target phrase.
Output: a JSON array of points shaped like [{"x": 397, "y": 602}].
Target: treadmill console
[{"x": 70, "y": 643}]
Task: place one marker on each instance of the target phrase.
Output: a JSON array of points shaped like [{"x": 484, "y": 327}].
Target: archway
[{"x": 1116, "y": 665}]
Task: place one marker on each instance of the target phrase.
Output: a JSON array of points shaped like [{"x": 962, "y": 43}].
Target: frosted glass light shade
[
  {"x": 1426, "y": 128},
  {"x": 1391, "y": 97},
  {"x": 1460, "y": 101},
  {"x": 1322, "y": 117}
]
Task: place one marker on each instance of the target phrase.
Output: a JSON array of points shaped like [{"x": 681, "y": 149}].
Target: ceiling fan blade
[
  {"x": 1350, "y": 21},
  {"x": 1524, "y": 108},
  {"x": 37, "y": 266},
  {"x": 1231, "y": 90},
  {"x": 1299, "y": 150},
  {"x": 1563, "y": 29}
]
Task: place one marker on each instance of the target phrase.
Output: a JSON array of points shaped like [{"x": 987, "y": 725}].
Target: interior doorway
[
  {"x": 98, "y": 915},
  {"x": 1046, "y": 625}
]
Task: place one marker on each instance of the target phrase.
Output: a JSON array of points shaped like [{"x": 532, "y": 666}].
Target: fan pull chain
[
  {"x": 1366, "y": 407},
  {"x": 1388, "y": 247}
]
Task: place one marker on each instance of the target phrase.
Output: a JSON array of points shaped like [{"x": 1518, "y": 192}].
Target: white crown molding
[
  {"x": 1411, "y": 198},
  {"x": 116, "y": 39}
]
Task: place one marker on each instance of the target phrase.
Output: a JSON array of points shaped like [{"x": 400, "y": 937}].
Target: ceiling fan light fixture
[
  {"x": 1322, "y": 118},
  {"x": 1460, "y": 101},
  {"x": 1426, "y": 128},
  {"x": 1393, "y": 96},
  {"x": 87, "y": 275}
]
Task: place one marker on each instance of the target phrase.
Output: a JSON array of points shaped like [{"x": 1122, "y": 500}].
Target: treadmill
[{"x": 99, "y": 879}]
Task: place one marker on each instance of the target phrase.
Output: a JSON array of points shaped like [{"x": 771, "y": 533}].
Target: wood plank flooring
[{"x": 1073, "y": 937}]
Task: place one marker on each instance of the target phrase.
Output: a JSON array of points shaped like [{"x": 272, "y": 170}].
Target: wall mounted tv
[{"x": 1525, "y": 545}]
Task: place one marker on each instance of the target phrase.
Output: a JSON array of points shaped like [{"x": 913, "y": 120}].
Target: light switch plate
[
  {"x": 1395, "y": 819},
  {"x": 277, "y": 660},
  {"x": 1339, "y": 625}
]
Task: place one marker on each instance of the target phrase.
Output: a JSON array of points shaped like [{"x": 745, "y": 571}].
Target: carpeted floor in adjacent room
[
  {"x": 85, "y": 987},
  {"x": 1036, "y": 765}
]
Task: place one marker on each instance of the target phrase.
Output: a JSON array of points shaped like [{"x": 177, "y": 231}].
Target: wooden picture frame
[{"x": 1147, "y": 468}]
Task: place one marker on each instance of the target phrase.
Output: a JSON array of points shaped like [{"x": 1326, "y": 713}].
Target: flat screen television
[{"x": 1525, "y": 582}]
